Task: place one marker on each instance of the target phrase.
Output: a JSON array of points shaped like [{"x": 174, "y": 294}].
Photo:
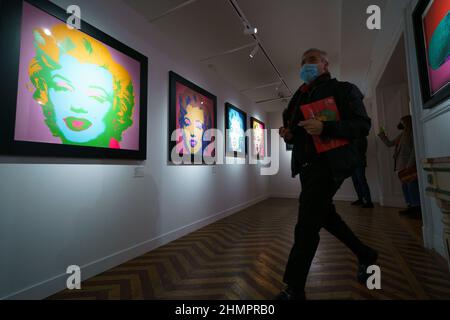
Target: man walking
[
  {"x": 359, "y": 176},
  {"x": 322, "y": 174}
]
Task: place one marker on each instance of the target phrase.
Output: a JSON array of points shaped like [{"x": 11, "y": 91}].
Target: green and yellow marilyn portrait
[{"x": 87, "y": 98}]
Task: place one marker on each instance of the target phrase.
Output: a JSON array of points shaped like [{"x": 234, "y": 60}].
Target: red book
[{"x": 324, "y": 110}]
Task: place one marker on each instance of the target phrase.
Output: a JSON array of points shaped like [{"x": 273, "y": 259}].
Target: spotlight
[
  {"x": 250, "y": 31},
  {"x": 255, "y": 50}
]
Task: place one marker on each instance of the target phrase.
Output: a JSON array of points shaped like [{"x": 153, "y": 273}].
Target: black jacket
[{"x": 354, "y": 124}]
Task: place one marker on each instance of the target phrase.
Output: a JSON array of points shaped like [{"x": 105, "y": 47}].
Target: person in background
[
  {"x": 359, "y": 176},
  {"x": 405, "y": 165}
]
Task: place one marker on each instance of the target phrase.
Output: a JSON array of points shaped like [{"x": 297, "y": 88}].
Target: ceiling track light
[
  {"x": 254, "y": 51},
  {"x": 250, "y": 31},
  {"x": 247, "y": 24}
]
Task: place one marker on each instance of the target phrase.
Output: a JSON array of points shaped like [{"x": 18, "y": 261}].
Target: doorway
[{"x": 393, "y": 103}]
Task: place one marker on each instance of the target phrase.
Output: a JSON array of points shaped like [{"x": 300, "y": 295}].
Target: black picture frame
[
  {"x": 228, "y": 107},
  {"x": 175, "y": 78},
  {"x": 10, "y": 32},
  {"x": 252, "y": 121},
  {"x": 429, "y": 99}
]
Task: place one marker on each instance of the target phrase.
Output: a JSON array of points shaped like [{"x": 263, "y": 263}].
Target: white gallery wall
[
  {"x": 97, "y": 214},
  {"x": 432, "y": 137},
  {"x": 282, "y": 185}
]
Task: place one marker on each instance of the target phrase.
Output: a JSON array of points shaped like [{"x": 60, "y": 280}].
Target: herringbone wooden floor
[{"x": 244, "y": 255}]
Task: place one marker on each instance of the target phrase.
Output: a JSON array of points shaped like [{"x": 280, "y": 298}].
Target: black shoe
[
  {"x": 363, "y": 264},
  {"x": 289, "y": 294},
  {"x": 406, "y": 211},
  {"x": 368, "y": 205},
  {"x": 415, "y": 213},
  {"x": 358, "y": 202}
]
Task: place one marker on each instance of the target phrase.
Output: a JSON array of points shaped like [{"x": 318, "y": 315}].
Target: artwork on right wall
[
  {"x": 286, "y": 124},
  {"x": 235, "y": 128},
  {"x": 431, "y": 20},
  {"x": 192, "y": 115},
  {"x": 258, "y": 141}
]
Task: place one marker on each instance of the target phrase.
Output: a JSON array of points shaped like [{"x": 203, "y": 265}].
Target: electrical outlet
[{"x": 139, "y": 172}]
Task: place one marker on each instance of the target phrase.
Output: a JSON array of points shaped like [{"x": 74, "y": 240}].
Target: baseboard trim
[
  {"x": 284, "y": 195},
  {"x": 434, "y": 242},
  {"x": 57, "y": 283},
  {"x": 394, "y": 202},
  {"x": 438, "y": 246},
  {"x": 295, "y": 196},
  {"x": 427, "y": 243},
  {"x": 344, "y": 198}
]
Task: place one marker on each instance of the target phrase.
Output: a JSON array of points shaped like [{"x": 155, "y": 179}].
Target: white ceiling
[{"x": 206, "y": 29}]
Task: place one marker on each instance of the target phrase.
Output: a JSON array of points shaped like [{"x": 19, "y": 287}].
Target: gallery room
[{"x": 234, "y": 150}]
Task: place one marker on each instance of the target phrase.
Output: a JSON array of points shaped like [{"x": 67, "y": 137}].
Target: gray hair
[{"x": 323, "y": 54}]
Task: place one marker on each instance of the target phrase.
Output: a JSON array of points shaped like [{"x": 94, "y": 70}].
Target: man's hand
[
  {"x": 285, "y": 133},
  {"x": 312, "y": 126}
]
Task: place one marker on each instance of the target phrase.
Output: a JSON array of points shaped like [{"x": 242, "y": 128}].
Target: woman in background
[{"x": 405, "y": 165}]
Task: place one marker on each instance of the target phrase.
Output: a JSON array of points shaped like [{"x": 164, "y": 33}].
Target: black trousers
[
  {"x": 361, "y": 186},
  {"x": 316, "y": 211}
]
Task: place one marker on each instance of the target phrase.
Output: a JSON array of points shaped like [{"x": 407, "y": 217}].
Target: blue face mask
[{"x": 309, "y": 73}]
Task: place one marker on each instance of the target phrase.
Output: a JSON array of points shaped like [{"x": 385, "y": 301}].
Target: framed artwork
[
  {"x": 192, "y": 113},
  {"x": 286, "y": 123},
  {"x": 432, "y": 32},
  {"x": 235, "y": 128},
  {"x": 258, "y": 140},
  {"x": 69, "y": 93}
]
